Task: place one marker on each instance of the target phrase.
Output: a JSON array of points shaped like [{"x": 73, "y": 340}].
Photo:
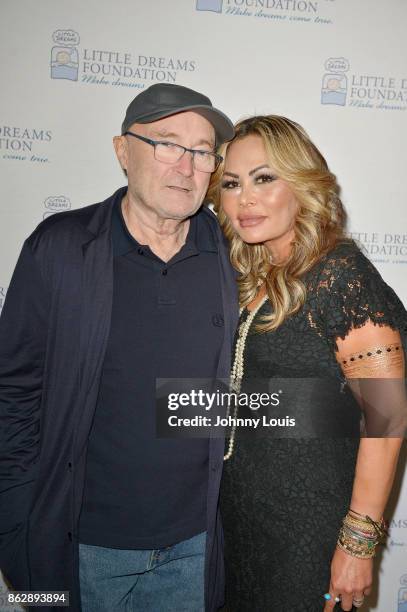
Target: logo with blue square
[
  {"x": 64, "y": 55},
  {"x": 215, "y": 6},
  {"x": 334, "y": 81},
  {"x": 402, "y": 595}
]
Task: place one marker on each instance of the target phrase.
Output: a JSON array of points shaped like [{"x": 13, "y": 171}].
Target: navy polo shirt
[{"x": 142, "y": 492}]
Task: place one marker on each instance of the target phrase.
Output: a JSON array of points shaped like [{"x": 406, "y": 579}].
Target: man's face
[{"x": 171, "y": 191}]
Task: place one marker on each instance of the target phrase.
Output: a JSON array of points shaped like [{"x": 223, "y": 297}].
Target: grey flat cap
[{"x": 164, "y": 99}]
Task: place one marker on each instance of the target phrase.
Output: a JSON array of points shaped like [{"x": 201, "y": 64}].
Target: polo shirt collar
[{"x": 200, "y": 238}]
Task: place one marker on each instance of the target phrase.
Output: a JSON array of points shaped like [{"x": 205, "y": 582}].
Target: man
[{"x": 104, "y": 300}]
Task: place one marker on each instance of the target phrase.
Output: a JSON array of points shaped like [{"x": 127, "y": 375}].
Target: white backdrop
[{"x": 338, "y": 67}]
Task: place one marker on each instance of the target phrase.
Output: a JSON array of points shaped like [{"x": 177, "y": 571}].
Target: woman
[{"x": 302, "y": 517}]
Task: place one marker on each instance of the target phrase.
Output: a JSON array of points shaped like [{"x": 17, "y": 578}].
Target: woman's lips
[{"x": 250, "y": 221}]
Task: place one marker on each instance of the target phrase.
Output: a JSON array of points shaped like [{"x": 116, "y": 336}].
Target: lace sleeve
[{"x": 350, "y": 291}]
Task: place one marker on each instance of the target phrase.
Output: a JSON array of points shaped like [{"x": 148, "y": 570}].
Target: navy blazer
[{"x": 53, "y": 335}]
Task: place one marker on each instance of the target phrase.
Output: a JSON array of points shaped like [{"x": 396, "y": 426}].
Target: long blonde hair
[{"x": 319, "y": 223}]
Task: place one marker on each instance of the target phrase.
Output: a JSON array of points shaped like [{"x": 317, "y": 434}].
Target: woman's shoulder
[
  {"x": 343, "y": 263},
  {"x": 345, "y": 253},
  {"x": 346, "y": 290}
]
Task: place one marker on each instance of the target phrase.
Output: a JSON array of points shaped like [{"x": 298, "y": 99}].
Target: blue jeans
[{"x": 168, "y": 579}]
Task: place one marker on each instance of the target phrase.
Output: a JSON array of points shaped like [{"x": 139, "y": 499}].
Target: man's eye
[
  {"x": 203, "y": 154},
  {"x": 169, "y": 145}
]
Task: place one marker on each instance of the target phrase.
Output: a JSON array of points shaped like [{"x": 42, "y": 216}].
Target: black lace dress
[{"x": 283, "y": 500}]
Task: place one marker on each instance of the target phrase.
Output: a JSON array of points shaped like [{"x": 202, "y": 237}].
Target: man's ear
[{"x": 122, "y": 153}]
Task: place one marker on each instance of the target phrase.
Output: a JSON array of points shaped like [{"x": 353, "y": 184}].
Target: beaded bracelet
[{"x": 360, "y": 534}]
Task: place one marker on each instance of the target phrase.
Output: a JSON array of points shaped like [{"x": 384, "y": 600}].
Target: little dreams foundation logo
[
  {"x": 382, "y": 247},
  {"x": 209, "y": 5},
  {"x": 334, "y": 81},
  {"x": 402, "y": 594},
  {"x": 361, "y": 89},
  {"x": 25, "y": 143},
  {"x": 273, "y": 11},
  {"x": 73, "y": 61},
  {"x": 65, "y": 55},
  {"x": 55, "y": 204}
]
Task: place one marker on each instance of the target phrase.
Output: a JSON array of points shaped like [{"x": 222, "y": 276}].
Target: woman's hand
[{"x": 351, "y": 580}]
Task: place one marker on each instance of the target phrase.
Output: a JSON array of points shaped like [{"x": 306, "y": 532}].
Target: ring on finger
[
  {"x": 358, "y": 602},
  {"x": 328, "y": 596}
]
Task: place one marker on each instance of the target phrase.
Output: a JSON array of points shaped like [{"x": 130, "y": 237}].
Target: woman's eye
[
  {"x": 229, "y": 184},
  {"x": 265, "y": 178}
]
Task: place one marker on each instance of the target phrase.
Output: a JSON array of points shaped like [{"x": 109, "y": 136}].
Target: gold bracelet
[
  {"x": 361, "y": 551},
  {"x": 360, "y": 526},
  {"x": 379, "y": 526},
  {"x": 360, "y": 534},
  {"x": 356, "y": 539},
  {"x": 353, "y": 553}
]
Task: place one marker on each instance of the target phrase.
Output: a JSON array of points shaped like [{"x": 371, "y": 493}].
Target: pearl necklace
[{"x": 238, "y": 368}]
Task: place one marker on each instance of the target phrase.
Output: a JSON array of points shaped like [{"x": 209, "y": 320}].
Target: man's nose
[{"x": 185, "y": 165}]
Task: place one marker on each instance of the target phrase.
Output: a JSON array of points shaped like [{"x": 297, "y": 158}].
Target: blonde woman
[{"x": 303, "y": 517}]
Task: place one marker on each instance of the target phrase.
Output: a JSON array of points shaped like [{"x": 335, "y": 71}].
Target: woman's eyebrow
[
  {"x": 258, "y": 168},
  {"x": 250, "y": 173}
]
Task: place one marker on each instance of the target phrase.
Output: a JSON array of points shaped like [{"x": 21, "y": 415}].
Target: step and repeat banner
[{"x": 338, "y": 67}]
